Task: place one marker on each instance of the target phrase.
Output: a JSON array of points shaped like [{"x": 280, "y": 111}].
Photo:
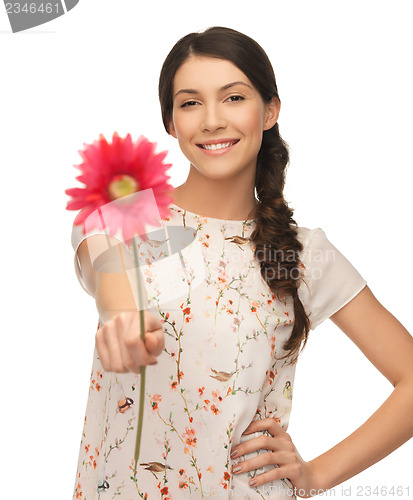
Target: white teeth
[{"x": 213, "y": 147}]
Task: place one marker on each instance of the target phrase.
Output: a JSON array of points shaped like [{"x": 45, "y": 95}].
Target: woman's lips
[{"x": 217, "y": 152}]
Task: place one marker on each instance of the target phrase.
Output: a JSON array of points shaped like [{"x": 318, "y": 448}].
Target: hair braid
[{"x": 275, "y": 234}]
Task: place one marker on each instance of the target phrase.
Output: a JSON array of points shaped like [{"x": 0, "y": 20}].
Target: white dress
[{"x": 224, "y": 331}]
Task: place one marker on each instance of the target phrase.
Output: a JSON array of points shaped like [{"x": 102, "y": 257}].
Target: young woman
[{"x": 224, "y": 331}]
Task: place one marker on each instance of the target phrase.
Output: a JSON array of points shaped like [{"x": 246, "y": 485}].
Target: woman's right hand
[{"x": 120, "y": 346}]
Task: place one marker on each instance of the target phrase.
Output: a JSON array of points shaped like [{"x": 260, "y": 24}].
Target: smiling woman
[{"x": 252, "y": 286}]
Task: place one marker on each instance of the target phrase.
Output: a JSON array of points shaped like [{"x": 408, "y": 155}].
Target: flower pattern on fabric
[{"x": 224, "y": 330}]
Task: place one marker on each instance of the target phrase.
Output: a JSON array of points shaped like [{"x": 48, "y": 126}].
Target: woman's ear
[
  {"x": 272, "y": 110},
  {"x": 171, "y": 129}
]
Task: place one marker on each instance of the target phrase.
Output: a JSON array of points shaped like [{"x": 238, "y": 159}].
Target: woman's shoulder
[
  {"x": 306, "y": 235},
  {"x": 330, "y": 280}
]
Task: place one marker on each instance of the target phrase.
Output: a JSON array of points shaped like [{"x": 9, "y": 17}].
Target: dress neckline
[{"x": 228, "y": 221}]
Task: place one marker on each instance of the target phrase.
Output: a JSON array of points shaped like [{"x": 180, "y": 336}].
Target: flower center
[{"x": 122, "y": 185}]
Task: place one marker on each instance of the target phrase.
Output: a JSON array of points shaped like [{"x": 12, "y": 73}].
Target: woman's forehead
[{"x": 202, "y": 72}]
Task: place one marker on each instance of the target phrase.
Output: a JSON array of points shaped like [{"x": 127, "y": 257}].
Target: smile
[{"x": 218, "y": 148}]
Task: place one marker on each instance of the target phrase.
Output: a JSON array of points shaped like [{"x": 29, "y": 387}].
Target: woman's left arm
[{"x": 389, "y": 346}]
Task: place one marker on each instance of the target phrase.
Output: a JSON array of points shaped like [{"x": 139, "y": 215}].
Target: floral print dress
[{"x": 224, "y": 330}]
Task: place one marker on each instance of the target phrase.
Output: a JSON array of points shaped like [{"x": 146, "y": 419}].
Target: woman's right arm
[{"x": 107, "y": 271}]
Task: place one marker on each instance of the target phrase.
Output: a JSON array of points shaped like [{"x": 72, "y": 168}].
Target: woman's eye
[
  {"x": 187, "y": 104},
  {"x": 236, "y": 98}
]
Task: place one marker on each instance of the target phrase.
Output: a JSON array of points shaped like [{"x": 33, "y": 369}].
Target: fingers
[
  {"x": 279, "y": 452},
  {"x": 152, "y": 322},
  {"x": 135, "y": 346},
  {"x": 273, "y": 474},
  {"x": 128, "y": 361},
  {"x": 266, "y": 424},
  {"x": 277, "y": 465},
  {"x": 109, "y": 350},
  {"x": 155, "y": 342},
  {"x": 121, "y": 348},
  {"x": 264, "y": 442},
  {"x": 279, "y": 440},
  {"x": 154, "y": 337},
  {"x": 102, "y": 349}
]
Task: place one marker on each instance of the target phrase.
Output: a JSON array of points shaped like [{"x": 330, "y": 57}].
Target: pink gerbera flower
[{"x": 126, "y": 186}]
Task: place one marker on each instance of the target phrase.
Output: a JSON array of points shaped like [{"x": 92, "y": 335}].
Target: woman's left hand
[{"x": 301, "y": 474}]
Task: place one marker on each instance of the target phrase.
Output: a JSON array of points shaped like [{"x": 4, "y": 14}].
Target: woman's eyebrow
[{"x": 225, "y": 87}]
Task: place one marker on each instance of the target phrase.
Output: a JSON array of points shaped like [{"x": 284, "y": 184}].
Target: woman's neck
[
  {"x": 218, "y": 204},
  {"x": 231, "y": 198}
]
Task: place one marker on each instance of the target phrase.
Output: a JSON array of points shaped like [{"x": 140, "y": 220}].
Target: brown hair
[{"x": 275, "y": 228}]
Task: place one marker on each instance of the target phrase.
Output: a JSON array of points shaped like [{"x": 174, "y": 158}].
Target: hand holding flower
[
  {"x": 120, "y": 346},
  {"x": 283, "y": 455}
]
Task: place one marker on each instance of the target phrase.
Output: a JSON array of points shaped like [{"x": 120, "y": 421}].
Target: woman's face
[{"x": 214, "y": 102}]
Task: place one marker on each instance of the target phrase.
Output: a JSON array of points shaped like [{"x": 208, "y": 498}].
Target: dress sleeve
[
  {"x": 330, "y": 280},
  {"x": 78, "y": 236}
]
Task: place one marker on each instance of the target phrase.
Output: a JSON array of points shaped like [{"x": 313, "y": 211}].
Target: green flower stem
[{"x": 143, "y": 368}]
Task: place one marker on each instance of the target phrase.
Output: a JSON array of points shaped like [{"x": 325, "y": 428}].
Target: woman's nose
[{"x": 213, "y": 118}]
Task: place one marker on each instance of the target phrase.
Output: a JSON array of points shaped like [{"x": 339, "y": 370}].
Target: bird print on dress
[
  {"x": 103, "y": 485},
  {"x": 222, "y": 376},
  {"x": 156, "y": 467},
  {"x": 287, "y": 390},
  {"x": 238, "y": 240},
  {"x": 124, "y": 404},
  {"x": 156, "y": 243}
]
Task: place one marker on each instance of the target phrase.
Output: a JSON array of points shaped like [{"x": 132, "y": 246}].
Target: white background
[{"x": 344, "y": 76}]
